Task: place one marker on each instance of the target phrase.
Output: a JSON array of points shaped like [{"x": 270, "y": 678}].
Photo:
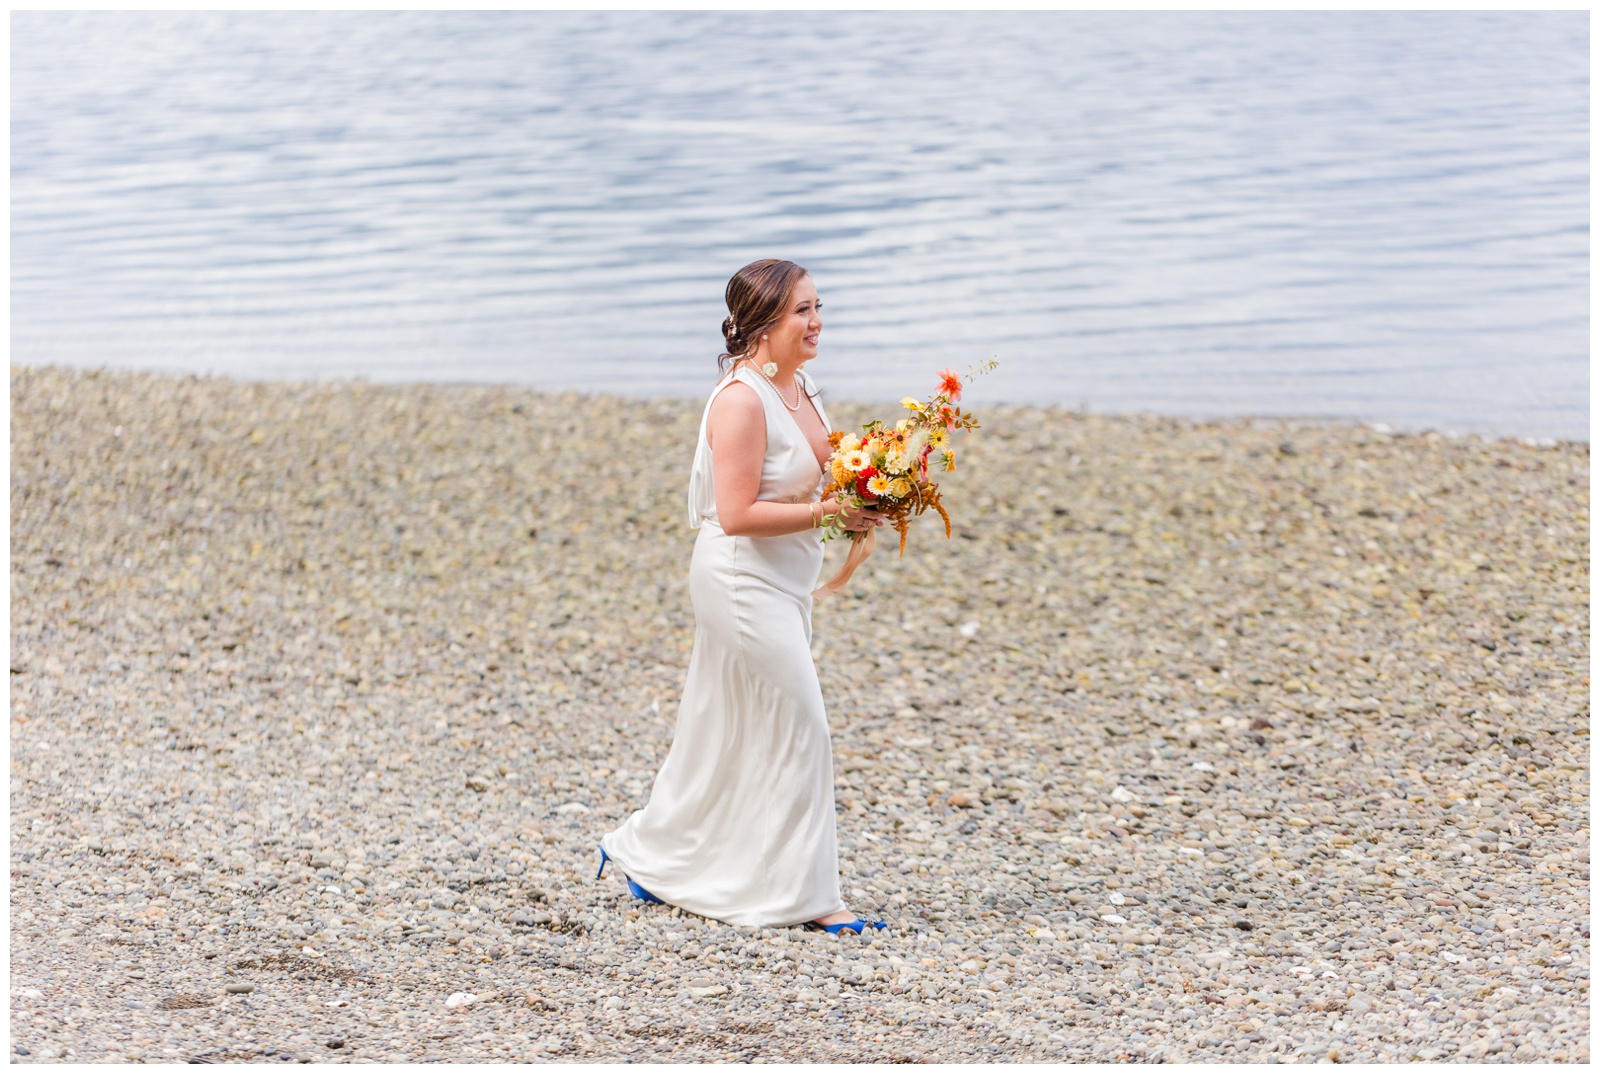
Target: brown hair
[{"x": 756, "y": 297}]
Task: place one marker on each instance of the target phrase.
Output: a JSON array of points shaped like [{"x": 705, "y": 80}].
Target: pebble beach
[{"x": 1258, "y": 741}]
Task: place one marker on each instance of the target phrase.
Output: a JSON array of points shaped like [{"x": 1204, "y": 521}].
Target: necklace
[{"x": 781, "y": 399}]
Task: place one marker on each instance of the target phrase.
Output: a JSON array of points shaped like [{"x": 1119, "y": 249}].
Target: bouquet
[{"x": 888, "y": 468}]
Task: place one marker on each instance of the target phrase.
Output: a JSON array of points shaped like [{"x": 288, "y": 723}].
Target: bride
[{"x": 740, "y": 821}]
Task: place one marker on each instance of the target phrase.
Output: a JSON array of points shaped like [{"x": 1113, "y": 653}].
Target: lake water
[{"x": 1377, "y": 216}]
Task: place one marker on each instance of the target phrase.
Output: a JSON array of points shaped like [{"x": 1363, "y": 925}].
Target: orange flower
[{"x": 950, "y": 385}]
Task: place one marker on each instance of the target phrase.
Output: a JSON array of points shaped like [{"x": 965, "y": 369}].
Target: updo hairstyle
[{"x": 757, "y": 296}]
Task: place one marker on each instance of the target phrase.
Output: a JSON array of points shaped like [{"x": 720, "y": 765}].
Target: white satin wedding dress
[{"x": 740, "y": 821}]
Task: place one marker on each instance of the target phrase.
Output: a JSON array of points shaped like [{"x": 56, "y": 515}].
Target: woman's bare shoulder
[
  {"x": 736, "y": 412},
  {"x": 739, "y": 402}
]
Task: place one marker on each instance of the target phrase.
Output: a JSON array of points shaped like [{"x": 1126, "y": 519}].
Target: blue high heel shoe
[
  {"x": 638, "y": 892},
  {"x": 857, "y": 926}
]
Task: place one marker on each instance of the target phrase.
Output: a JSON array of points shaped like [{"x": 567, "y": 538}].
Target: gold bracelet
[{"x": 816, "y": 516}]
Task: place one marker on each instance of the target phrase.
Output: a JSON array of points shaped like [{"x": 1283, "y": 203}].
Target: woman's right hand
[{"x": 853, "y": 519}]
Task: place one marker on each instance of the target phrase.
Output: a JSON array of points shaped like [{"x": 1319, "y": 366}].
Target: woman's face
[{"x": 794, "y": 337}]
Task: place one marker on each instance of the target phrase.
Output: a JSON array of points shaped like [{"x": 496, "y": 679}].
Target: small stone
[
  {"x": 239, "y": 989},
  {"x": 460, "y": 999},
  {"x": 336, "y": 1043},
  {"x": 360, "y": 571},
  {"x": 961, "y": 800}
]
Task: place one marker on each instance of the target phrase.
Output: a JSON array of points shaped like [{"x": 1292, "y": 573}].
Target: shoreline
[
  {"x": 886, "y": 404},
  {"x": 1199, "y": 741}
]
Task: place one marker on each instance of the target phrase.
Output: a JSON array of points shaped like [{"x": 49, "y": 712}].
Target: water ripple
[{"x": 1366, "y": 215}]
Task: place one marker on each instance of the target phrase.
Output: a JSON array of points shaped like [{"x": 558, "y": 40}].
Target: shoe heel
[{"x": 638, "y": 892}]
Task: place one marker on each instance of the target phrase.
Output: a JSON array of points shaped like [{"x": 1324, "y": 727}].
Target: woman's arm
[{"x": 737, "y": 432}]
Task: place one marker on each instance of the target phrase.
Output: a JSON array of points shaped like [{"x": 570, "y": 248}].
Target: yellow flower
[
  {"x": 910, "y": 403},
  {"x": 949, "y": 461},
  {"x": 900, "y": 488},
  {"x": 840, "y": 474},
  {"x": 855, "y": 460},
  {"x": 849, "y": 442},
  {"x": 878, "y": 486},
  {"x": 938, "y": 437}
]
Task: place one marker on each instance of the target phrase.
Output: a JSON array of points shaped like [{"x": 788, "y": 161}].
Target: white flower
[{"x": 770, "y": 369}]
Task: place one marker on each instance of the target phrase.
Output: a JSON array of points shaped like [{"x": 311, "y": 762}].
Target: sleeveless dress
[{"x": 739, "y": 825}]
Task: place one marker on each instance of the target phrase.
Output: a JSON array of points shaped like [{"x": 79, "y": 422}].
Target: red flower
[
  {"x": 950, "y": 385},
  {"x": 861, "y": 483}
]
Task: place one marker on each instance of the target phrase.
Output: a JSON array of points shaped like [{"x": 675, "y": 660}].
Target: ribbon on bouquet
[{"x": 860, "y": 548}]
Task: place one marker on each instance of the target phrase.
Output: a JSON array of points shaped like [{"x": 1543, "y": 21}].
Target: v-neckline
[{"x": 822, "y": 465}]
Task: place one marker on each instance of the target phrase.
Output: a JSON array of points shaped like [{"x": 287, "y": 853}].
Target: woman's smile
[{"x": 795, "y": 336}]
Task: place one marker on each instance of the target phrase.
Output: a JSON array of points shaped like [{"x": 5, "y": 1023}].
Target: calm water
[{"x": 1375, "y": 216}]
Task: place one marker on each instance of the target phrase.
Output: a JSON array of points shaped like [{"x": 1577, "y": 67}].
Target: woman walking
[{"x": 740, "y": 821}]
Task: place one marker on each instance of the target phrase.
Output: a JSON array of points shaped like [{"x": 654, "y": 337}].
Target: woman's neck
[{"x": 786, "y": 373}]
